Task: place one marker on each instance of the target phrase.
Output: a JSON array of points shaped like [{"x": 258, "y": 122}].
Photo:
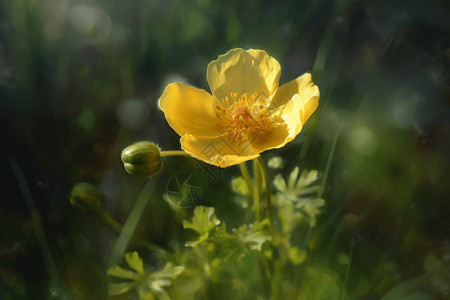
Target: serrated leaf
[
  {"x": 307, "y": 178},
  {"x": 255, "y": 240},
  {"x": 171, "y": 271},
  {"x": 158, "y": 284},
  {"x": 311, "y": 207},
  {"x": 298, "y": 200},
  {"x": 149, "y": 285},
  {"x": 119, "y": 272},
  {"x": 161, "y": 279},
  {"x": 253, "y": 236},
  {"x": 204, "y": 220},
  {"x": 135, "y": 262}
]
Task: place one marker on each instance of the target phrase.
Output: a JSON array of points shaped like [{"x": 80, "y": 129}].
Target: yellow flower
[{"x": 247, "y": 112}]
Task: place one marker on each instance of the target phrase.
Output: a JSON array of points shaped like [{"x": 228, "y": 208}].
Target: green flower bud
[
  {"x": 85, "y": 196},
  {"x": 142, "y": 159}
]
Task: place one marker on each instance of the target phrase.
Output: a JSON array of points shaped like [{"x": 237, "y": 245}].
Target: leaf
[
  {"x": 296, "y": 255},
  {"x": 203, "y": 221},
  {"x": 239, "y": 186},
  {"x": 146, "y": 295},
  {"x": 275, "y": 163},
  {"x": 307, "y": 178},
  {"x": 149, "y": 285},
  {"x": 293, "y": 178},
  {"x": 135, "y": 262},
  {"x": 160, "y": 279},
  {"x": 253, "y": 235},
  {"x": 119, "y": 288},
  {"x": 280, "y": 184},
  {"x": 289, "y": 217},
  {"x": 170, "y": 271},
  {"x": 197, "y": 242},
  {"x": 119, "y": 272},
  {"x": 310, "y": 207},
  {"x": 298, "y": 200}
]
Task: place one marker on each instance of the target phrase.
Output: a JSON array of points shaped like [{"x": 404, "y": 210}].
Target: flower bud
[
  {"x": 85, "y": 196},
  {"x": 142, "y": 159}
]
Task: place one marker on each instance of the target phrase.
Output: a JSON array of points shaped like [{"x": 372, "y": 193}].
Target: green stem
[
  {"x": 347, "y": 271},
  {"x": 260, "y": 167},
  {"x": 266, "y": 179},
  {"x": 116, "y": 226},
  {"x": 130, "y": 224},
  {"x": 330, "y": 158},
  {"x": 36, "y": 220},
  {"x": 257, "y": 190},
  {"x": 174, "y": 153},
  {"x": 247, "y": 178}
]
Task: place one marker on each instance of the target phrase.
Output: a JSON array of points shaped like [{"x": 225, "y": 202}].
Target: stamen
[{"x": 245, "y": 118}]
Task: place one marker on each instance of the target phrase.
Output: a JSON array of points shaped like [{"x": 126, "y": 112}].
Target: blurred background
[{"x": 80, "y": 80}]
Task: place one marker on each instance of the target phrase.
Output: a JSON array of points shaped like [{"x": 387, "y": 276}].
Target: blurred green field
[{"x": 80, "y": 81}]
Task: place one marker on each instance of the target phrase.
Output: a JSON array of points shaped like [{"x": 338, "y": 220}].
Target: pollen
[{"x": 244, "y": 118}]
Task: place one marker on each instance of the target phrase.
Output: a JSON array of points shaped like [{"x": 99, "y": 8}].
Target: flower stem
[
  {"x": 174, "y": 153},
  {"x": 265, "y": 175},
  {"x": 130, "y": 224},
  {"x": 247, "y": 178},
  {"x": 256, "y": 190}
]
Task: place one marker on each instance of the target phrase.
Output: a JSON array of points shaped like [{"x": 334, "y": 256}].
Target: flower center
[{"x": 244, "y": 118}]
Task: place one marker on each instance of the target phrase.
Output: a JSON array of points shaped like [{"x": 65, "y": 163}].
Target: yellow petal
[
  {"x": 305, "y": 88},
  {"x": 189, "y": 110},
  {"x": 275, "y": 138},
  {"x": 286, "y": 126},
  {"x": 217, "y": 151},
  {"x": 291, "y": 114},
  {"x": 240, "y": 71}
]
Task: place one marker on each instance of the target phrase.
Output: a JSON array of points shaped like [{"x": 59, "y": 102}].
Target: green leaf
[
  {"x": 307, "y": 178},
  {"x": 289, "y": 217},
  {"x": 119, "y": 288},
  {"x": 197, "y": 242},
  {"x": 311, "y": 208},
  {"x": 149, "y": 285},
  {"x": 146, "y": 295},
  {"x": 135, "y": 262},
  {"x": 296, "y": 255},
  {"x": 171, "y": 271},
  {"x": 253, "y": 236},
  {"x": 119, "y": 272},
  {"x": 203, "y": 221},
  {"x": 275, "y": 163},
  {"x": 239, "y": 186},
  {"x": 298, "y": 200},
  {"x": 280, "y": 184},
  {"x": 161, "y": 279},
  {"x": 293, "y": 178}
]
